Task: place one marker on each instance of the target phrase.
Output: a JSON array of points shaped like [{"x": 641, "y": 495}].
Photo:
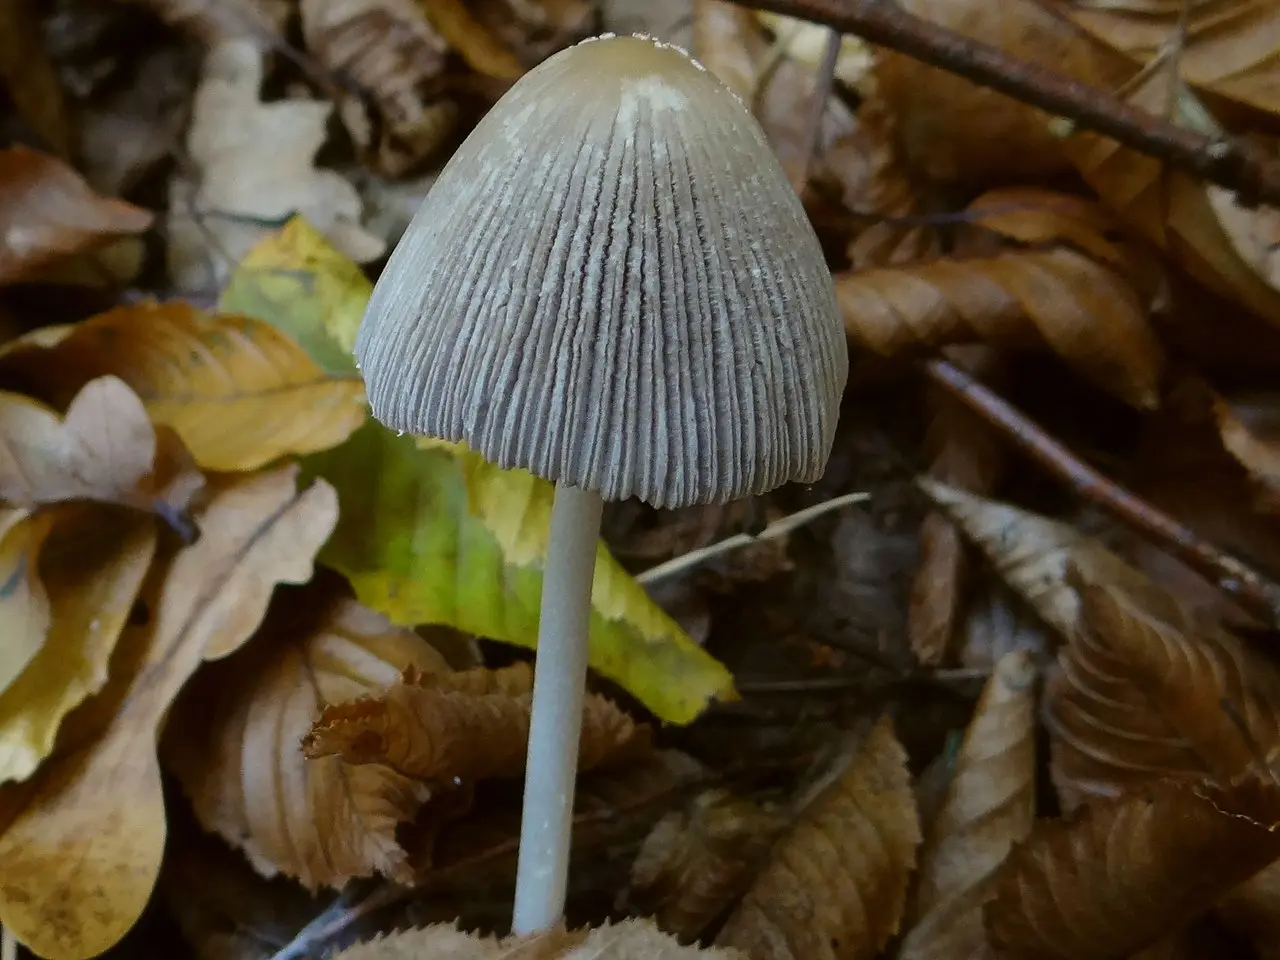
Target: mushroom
[{"x": 613, "y": 286}]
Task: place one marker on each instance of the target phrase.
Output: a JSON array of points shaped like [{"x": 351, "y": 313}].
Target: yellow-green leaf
[
  {"x": 430, "y": 532},
  {"x": 298, "y": 282},
  {"x": 237, "y": 391},
  {"x": 92, "y": 566}
]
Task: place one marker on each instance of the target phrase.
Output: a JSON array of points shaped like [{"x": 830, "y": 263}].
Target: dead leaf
[
  {"x": 1033, "y": 554},
  {"x": 996, "y": 624},
  {"x": 254, "y": 167},
  {"x": 989, "y": 806},
  {"x": 966, "y": 454},
  {"x": 1085, "y": 310},
  {"x": 483, "y": 51},
  {"x": 217, "y": 21},
  {"x": 1148, "y": 690},
  {"x": 1126, "y": 872},
  {"x": 836, "y": 883},
  {"x": 388, "y": 48},
  {"x": 952, "y": 130},
  {"x": 1249, "y": 424},
  {"x": 235, "y": 741},
  {"x": 24, "y": 601},
  {"x": 1202, "y": 228},
  {"x": 467, "y": 726},
  {"x": 696, "y": 859},
  {"x": 92, "y": 566},
  {"x": 30, "y": 78},
  {"x": 1230, "y": 47},
  {"x": 48, "y": 213},
  {"x": 238, "y": 392},
  {"x": 628, "y": 940},
  {"x": 103, "y": 449},
  {"x": 81, "y": 858},
  {"x": 874, "y": 182}
]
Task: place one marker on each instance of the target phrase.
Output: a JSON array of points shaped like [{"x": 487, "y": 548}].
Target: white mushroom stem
[{"x": 559, "y": 682}]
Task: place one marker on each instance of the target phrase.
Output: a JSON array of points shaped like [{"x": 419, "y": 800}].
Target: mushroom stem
[{"x": 559, "y": 682}]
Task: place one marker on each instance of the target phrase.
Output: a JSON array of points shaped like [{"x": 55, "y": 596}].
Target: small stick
[
  {"x": 1232, "y": 576},
  {"x": 1226, "y": 161},
  {"x": 822, "y": 83},
  {"x": 779, "y": 528}
]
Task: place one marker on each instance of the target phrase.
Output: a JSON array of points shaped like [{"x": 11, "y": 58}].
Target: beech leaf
[
  {"x": 470, "y": 726},
  {"x": 235, "y": 740},
  {"x": 989, "y": 806},
  {"x": 103, "y": 449},
  {"x": 49, "y": 213},
  {"x": 1083, "y": 307},
  {"x": 836, "y": 884},
  {"x": 239, "y": 393},
  {"x": 91, "y": 566},
  {"x": 82, "y": 855},
  {"x": 24, "y": 602},
  {"x": 1128, "y": 871},
  {"x": 628, "y": 940}
]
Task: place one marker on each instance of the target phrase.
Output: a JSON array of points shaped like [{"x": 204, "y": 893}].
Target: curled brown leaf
[
  {"x": 1126, "y": 872},
  {"x": 836, "y": 883},
  {"x": 468, "y": 728}
]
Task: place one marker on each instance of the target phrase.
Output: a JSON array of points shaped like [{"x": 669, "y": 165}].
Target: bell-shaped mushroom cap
[{"x": 612, "y": 285}]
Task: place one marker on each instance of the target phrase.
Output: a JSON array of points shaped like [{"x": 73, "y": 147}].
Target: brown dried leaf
[
  {"x": 1033, "y": 554},
  {"x": 1126, "y": 872},
  {"x": 469, "y": 726},
  {"x": 1231, "y": 47},
  {"x": 872, "y": 180},
  {"x": 989, "y": 806},
  {"x": 235, "y": 742},
  {"x": 48, "y": 213},
  {"x": 1249, "y": 424},
  {"x": 836, "y": 883},
  {"x": 696, "y": 859},
  {"x": 82, "y": 856},
  {"x": 952, "y": 130},
  {"x": 628, "y": 940},
  {"x": 215, "y": 21},
  {"x": 103, "y": 449},
  {"x": 388, "y": 48},
  {"x": 1087, "y": 311},
  {"x": 1201, "y": 227},
  {"x": 1147, "y": 690}
]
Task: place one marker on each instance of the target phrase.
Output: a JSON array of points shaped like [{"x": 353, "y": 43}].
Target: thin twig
[
  {"x": 1232, "y": 576},
  {"x": 779, "y": 528},
  {"x": 1226, "y": 161},
  {"x": 822, "y": 83}
]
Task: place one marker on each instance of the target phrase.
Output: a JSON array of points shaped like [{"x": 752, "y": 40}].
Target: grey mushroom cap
[{"x": 613, "y": 286}]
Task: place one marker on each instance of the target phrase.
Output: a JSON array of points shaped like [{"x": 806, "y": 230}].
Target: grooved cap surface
[{"x": 612, "y": 285}]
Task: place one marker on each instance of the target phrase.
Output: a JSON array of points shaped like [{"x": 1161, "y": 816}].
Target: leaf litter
[{"x": 218, "y": 573}]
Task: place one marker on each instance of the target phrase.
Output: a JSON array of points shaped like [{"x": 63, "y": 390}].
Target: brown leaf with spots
[
  {"x": 989, "y": 806},
  {"x": 1081, "y": 297},
  {"x": 468, "y": 726},
  {"x": 49, "y": 213},
  {"x": 235, "y": 741},
  {"x": 1126, "y": 872},
  {"x": 836, "y": 883},
  {"x": 82, "y": 853}
]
